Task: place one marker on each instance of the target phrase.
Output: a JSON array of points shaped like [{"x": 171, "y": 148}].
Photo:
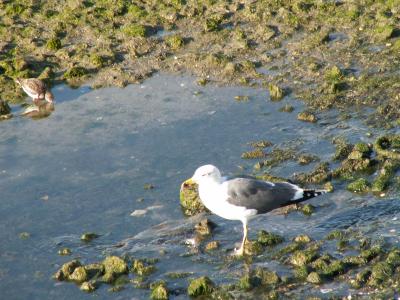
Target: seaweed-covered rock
[
  {"x": 358, "y": 186},
  {"x": 190, "y": 201},
  {"x": 205, "y": 227},
  {"x": 75, "y": 72},
  {"x": 275, "y": 92},
  {"x": 67, "y": 269},
  {"x": 300, "y": 273},
  {"x": 94, "y": 270},
  {"x": 79, "y": 275},
  {"x": 266, "y": 276},
  {"x": 87, "y": 286},
  {"x": 393, "y": 258},
  {"x": 159, "y": 291},
  {"x": 380, "y": 273},
  {"x": 201, "y": 286},
  {"x": 4, "y": 108},
  {"x": 303, "y": 257},
  {"x": 388, "y": 146},
  {"x": 302, "y": 238},
  {"x": 321, "y": 173},
  {"x": 268, "y": 238},
  {"x": 314, "y": 277},
  {"x": 142, "y": 267},
  {"x": 89, "y": 236},
  {"x": 212, "y": 246},
  {"x": 113, "y": 267},
  {"x": 307, "y": 117},
  {"x": 308, "y": 209}
]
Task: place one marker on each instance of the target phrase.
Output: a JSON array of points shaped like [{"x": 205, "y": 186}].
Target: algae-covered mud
[
  {"x": 331, "y": 54},
  {"x": 91, "y": 204}
]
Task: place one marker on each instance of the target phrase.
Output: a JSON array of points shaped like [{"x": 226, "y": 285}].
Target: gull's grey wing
[{"x": 260, "y": 195}]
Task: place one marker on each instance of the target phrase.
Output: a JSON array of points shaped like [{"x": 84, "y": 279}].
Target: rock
[
  {"x": 358, "y": 186},
  {"x": 87, "y": 286},
  {"x": 79, "y": 275},
  {"x": 275, "y": 92},
  {"x": 64, "y": 251},
  {"x": 314, "y": 277},
  {"x": 159, "y": 292},
  {"x": 67, "y": 269},
  {"x": 212, "y": 246},
  {"x": 4, "y": 108},
  {"x": 140, "y": 267},
  {"x": 307, "y": 117},
  {"x": 205, "y": 227},
  {"x": 268, "y": 239},
  {"x": 114, "y": 266},
  {"x": 303, "y": 257},
  {"x": 190, "y": 201},
  {"x": 89, "y": 236},
  {"x": 201, "y": 286},
  {"x": 302, "y": 238}
]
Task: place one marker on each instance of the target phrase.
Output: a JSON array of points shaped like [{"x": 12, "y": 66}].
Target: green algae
[
  {"x": 302, "y": 239},
  {"x": 201, "y": 286},
  {"x": 190, "y": 201},
  {"x": 142, "y": 267},
  {"x": 307, "y": 117},
  {"x": 268, "y": 239},
  {"x": 287, "y": 108},
  {"x": 254, "y": 154},
  {"x": 360, "y": 185},
  {"x": 303, "y": 257},
  {"x": 87, "y": 287},
  {"x": 53, "y": 44},
  {"x": 275, "y": 92},
  {"x": 314, "y": 278},
  {"x": 175, "y": 42},
  {"x": 159, "y": 291},
  {"x": 79, "y": 275},
  {"x": 308, "y": 209},
  {"x": 75, "y": 72}
]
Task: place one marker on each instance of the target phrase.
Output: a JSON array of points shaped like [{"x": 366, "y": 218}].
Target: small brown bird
[{"x": 36, "y": 89}]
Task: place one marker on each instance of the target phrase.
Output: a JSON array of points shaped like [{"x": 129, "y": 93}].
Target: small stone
[
  {"x": 302, "y": 238},
  {"x": 205, "y": 227},
  {"x": 148, "y": 186},
  {"x": 212, "y": 246},
  {"x": 64, "y": 251},
  {"x": 87, "y": 286},
  {"x": 24, "y": 235},
  {"x": 89, "y": 236},
  {"x": 307, "y": 117}
]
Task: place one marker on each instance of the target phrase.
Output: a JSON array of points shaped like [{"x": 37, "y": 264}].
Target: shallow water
[{"x": 84, "y": 169}]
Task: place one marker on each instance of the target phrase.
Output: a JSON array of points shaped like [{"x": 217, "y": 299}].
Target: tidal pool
[{"x": 85, "y": 168}]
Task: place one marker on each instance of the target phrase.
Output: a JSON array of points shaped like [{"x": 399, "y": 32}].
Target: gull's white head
[{"x": 206, "y": 173}]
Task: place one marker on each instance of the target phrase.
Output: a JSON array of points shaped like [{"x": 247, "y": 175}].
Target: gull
[{"x": 244, "y": 198}]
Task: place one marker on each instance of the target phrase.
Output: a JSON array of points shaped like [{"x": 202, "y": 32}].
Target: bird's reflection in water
[{"x": 39, "y": 111}]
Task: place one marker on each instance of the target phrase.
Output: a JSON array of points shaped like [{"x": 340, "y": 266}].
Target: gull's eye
[{"x": 206, "y": 174}]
